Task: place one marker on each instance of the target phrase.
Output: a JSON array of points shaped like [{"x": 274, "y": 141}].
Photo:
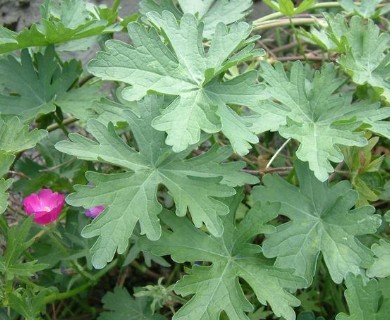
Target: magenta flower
[
  {"x": 45, "y": 206},
  {"x": 95, "y": 211}
]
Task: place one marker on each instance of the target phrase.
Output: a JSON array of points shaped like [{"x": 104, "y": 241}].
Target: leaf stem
[
  {"x": 285, "y": 22},
  {"x": 277, "y": 153},
  {"x": 56, "y": 126},
  {"x": 68, "y": 294}
]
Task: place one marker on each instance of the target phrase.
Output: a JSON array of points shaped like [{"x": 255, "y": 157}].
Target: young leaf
[
  {"x": 31, "y": 90},
  {"x": 11, "y": 263},
  {"x": 183, "y": 69},
  {"x": 381, "y": 266},
  {"x": 364, "y": 300},
  {"x": 210, "y": 12},
  {"x": 131, "y": 196},
  {"x": 61, "y": 21},
  {"x": 123, "y": 306},
  {"x": 321, "y": 222},
  {"x": 316, "y": 116},
  {"x": 216, "y": 288},
  {"x": 366, "y": 59},
  {"x": 286, "y": 7}
]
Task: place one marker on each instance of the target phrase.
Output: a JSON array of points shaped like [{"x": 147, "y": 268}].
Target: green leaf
[
  {"x": 130, "y": 196},
  {"x": 216, "y": 287},
  {"x": 61, "y": 21},
  {"x": 4, "y": 185},
  {"x": 210, "y": 12},
  {"x": 312, "y": 113},
  {"x": 366, "y": 8},
  {"x": 320, "y": 222},
  {"x": 11, "y": 263},
  {"x": 364, "y": 300},
  {"x": 29, "y": 89},
  {"x": 381, "y": 266},
  {"x": 15, "y": 136},
  {"x": 184, "y": 70},
  {"x": 123, "y": 306},
  {"x": 286, "y": 7},
  {"x": 366, "y": 59}
]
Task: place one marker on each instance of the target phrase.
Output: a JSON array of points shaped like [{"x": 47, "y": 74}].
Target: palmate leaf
[
  {"x": 321, "y": 222},
  {"x": 210, "y": 12},
  {"x": 381, "y": 266},
  {"x": 29, "y": 90},
  {"x": 123, "y": 306},
  {"x": 313, "y": 114},
  {"x": 61, "y": 21},
  {"x": 216, "y": 288},
  {"x": 185, "y": 70},
  {"x": 130, "y": 197},
  {"x": 366, "y": 8},
  {"x": 366, "y": 59},
  {"x": 364, "y": 300}
]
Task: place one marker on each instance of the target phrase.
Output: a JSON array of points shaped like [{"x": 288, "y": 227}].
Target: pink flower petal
[
  {"x": 32, "y": 203},
  {"x": 46, "y": 206}
]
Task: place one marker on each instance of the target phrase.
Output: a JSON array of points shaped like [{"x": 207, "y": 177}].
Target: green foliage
[
  {"x": 315, "y": 115},
  {"x": 123, "y": 306},
  {"x": 30, "y": 88},
  {"x": 364, "y": 300},
  {"x": 185, "y": 70},
  {"x": 321, "y": 223},
  {"x": 131, "y": 196},
  {"x": 61, "y": 21},
  {"x": 162, "y": 145},
  {"x": 210, "y": 12},
  {"x": 216, "y": 288}
]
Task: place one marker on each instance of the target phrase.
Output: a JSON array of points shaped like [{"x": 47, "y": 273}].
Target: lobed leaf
[
  {"x": 216, "y": 288},
  {"x": 183, "y": 69},
  {"x": 312, "y": 113},
  {"x": 364, "y": 300},
  {"x": 196, "y": 184},
  {"x": 321, "y": 221}
]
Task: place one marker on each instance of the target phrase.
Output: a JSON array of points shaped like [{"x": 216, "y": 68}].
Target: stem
[
  {"x": 60, "y": 124},
  {"x": 323, "y": 5},
  {"x": 56, "y": 126},
  {"x": 277, "y": 153},
  {"x": 68, "y": 294},
  {"x": 298, "y": 40},
  {"x": 285, "y": 22}
]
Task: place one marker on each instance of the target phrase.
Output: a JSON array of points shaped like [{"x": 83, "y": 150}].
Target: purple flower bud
[{"x": 94, "y": 212}]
